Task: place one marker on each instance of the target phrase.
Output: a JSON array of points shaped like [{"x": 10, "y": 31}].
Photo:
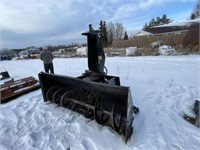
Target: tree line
[
  {"x": 157, "y": 22},
  {"x": 196, "y": 11},
  {"x": 115, "y": 31},
  {"x": 165, "y": 20}
]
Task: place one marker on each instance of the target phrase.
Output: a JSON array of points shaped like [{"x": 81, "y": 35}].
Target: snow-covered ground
[{"x": 163, "y": 87}]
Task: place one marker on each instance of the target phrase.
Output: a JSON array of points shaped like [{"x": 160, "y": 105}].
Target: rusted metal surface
[{"x": 16, "y": 88}]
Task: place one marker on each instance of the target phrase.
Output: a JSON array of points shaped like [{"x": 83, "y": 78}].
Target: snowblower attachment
[{"x": 94, "y": 94}]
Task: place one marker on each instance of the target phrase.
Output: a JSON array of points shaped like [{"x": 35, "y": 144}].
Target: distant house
[
  {"x": 167, "y": 30},
  {"x": 185, "y": 33},
  {"x": 6, "y": 54},
  {"x": 30, "y": 51},
  {"x": 174, "y": 28},
  {"x": 142, "y": 33}
]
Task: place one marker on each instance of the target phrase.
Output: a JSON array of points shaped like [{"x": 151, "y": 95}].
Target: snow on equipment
[
  {"x": 94, "y": 94},
  {"x": 196, "y": 109},
  {"x": 4, "y": 75},
  {"x": 13, "y": 89}
]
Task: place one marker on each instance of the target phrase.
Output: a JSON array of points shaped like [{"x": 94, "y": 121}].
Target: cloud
[
  {"x": 63, "y": 21},
  {"x": 47, "y": 21},
  {"x": 34, "y": 17}
]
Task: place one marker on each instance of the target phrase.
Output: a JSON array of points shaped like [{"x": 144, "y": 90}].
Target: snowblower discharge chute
[{"x": 94, "y": 94}]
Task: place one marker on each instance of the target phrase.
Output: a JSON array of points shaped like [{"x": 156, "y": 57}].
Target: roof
[
  {"x": 29, "y": 50},
  {"x": 183, "y": 23},
  {"x": 32, "y": 49},
  {"x": 175, "y": 27},
  {"x": 142, "y": 33}
]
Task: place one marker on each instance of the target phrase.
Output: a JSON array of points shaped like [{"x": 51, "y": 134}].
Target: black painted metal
[
  {"x": 4, "y": 75},
  {"x": 94, "y": 94},
  {"x": 96, "y": 56},
  {"x": 109, "y": 105}
]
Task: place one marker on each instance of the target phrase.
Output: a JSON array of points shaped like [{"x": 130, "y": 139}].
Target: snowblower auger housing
[{"x": 94, "y": 94}]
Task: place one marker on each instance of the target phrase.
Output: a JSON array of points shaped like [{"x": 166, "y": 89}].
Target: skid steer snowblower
[{"x": 94, "y": 94}]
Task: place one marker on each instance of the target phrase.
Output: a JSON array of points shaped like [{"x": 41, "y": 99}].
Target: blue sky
[{"x": 26, "y": 23}]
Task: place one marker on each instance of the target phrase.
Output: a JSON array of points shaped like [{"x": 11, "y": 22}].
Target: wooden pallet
[{"x": 16, "y": 88}]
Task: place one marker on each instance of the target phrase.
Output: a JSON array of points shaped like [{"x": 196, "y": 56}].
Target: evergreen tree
[
  {"x": 145, "y": 27},
  {"x": 125, "y": 35},
  {"x": 165, "y": 20},
  {"x": 156, "y": 22},
  {"x": 193, "y": 16},
  {"x": 101, "y": 29},
  {"x": 196, "y": 12},
  {"x": 152, "y": 23},
  {"x": 103, "y": 33},
  {"x": 105, "y": 36}
]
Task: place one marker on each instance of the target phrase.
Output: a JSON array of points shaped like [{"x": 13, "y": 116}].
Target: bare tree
[
  {"x": 119, "y": 31},
  {"x": 111, "y": 31},
  {"x": 115, "y": 31}
]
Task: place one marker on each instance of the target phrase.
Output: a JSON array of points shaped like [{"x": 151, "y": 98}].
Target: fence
[{"x": 143, "y": 41}]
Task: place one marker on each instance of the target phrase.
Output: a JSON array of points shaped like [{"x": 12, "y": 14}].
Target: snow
[
  {"x": 142, "y": 33},
  {"x": 82, "y": 51},
  {"x": 162, "y": 87},
  {"x": 130, "y": 51},
  {"x": 166, "y": 50},
  {"x": 183, "y": 23}
]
